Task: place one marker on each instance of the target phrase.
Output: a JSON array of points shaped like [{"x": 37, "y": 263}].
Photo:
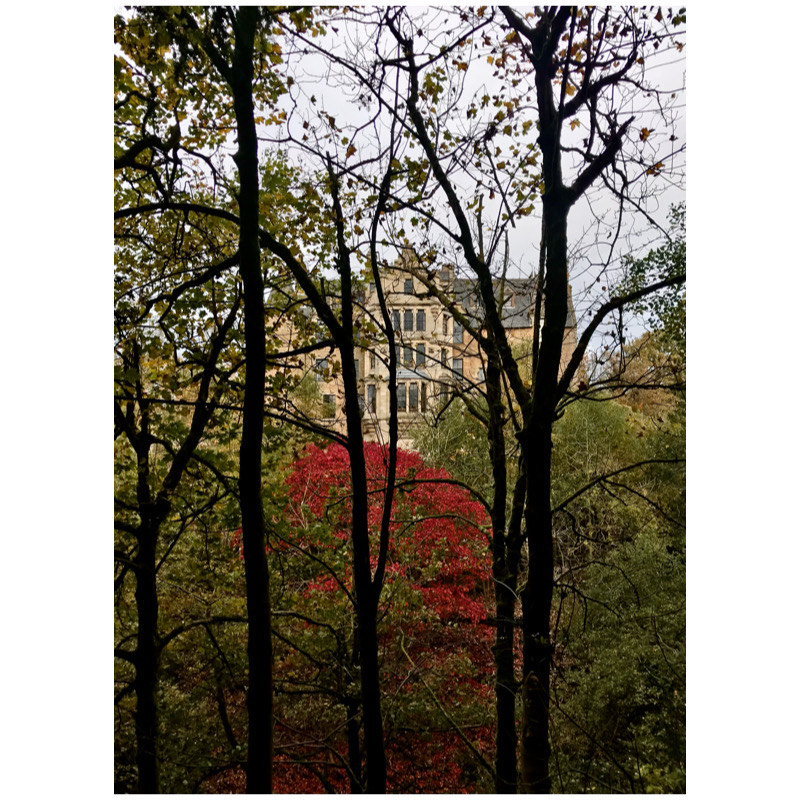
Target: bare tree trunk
[
  {"x": 366, "y": 592},
  {"x": 536, "y": 439},
  {"x": 353, "y": 746},
  {"x": 259, "y": 638},
  {"x": 536, "y": 604},
  {"x": 147, "y": 650},
  {"x": 505, "y": 586},
  {"x": 146, "y": 662}
]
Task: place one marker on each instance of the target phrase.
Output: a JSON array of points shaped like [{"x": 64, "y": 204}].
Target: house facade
[{"x": 436, "y": 356}]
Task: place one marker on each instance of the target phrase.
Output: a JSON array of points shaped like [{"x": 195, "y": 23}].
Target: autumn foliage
[{"x": 435, "y": 642}]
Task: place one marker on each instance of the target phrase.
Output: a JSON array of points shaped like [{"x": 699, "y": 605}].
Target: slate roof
[
  {"x": 517, "y": 316},
  {"x": 405, "y": 374}
]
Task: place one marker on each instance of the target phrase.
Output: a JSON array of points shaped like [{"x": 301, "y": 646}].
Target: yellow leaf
[
  {"x": 574, "y": 124},
  {"x": 570, "y": 89},
  {"x": 350, "y": 151},
  {"x": 643, "y": 134}
]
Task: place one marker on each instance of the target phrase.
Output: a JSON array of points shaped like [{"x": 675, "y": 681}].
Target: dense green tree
[{"x": 619, "y": 686}]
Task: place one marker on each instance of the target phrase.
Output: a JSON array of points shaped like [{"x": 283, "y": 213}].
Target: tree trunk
[
  {"x": 505, "y": 689},
  {"x": 353, "y": 746},
  {"x": 536, "y": 441},
  {"x": 536, "y": 604},
  {"x": 259, "y": 637},
  {"x": 146, "y": 661},
  {"x": 366, "y": 594},
  {"x": 147, "y": 650},
  {"x": 371, "y": 701},
  {"x": 505, "y": 586}
]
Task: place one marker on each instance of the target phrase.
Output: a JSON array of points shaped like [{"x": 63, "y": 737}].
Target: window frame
[{"x": 413, "y": 397}]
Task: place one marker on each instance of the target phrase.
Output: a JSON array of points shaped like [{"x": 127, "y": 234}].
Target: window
[
  {"x": 424, "y": 398},
  {"x": 443, "y": 358},
  {"x": 373, "y": 361},
  {"x": 408, "y": 286},
  {"x": 408, "y": 320},
  {"x": 458, "y": 332},
  {"x": 397, "y": 353},
  {"x": 481, "y": 375},
  {"x": 361, "y": 404},
  {"x": 408, "y": 355},
  {"x": 458, "y": 366},
  {"x": 372, "y": 398},
  {"x": 445, "y": 324},
  {"x": 401, "y": 397},
  {"x": 421, "y": 320},
  {"x": 413, "y": 397},
  {"x": 420, "y": 355},
  {"x": 328, "y": 406},
  {"x": 358, "y": 371},
  {"x": 396, "y": 319},
  {"x": 320, "y": 367}
]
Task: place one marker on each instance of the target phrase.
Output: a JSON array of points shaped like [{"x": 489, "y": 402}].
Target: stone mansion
[{"x": 435, "y": 355}]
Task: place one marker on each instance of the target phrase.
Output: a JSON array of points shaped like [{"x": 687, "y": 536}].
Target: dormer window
[{"x": 408, "y": 286}]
